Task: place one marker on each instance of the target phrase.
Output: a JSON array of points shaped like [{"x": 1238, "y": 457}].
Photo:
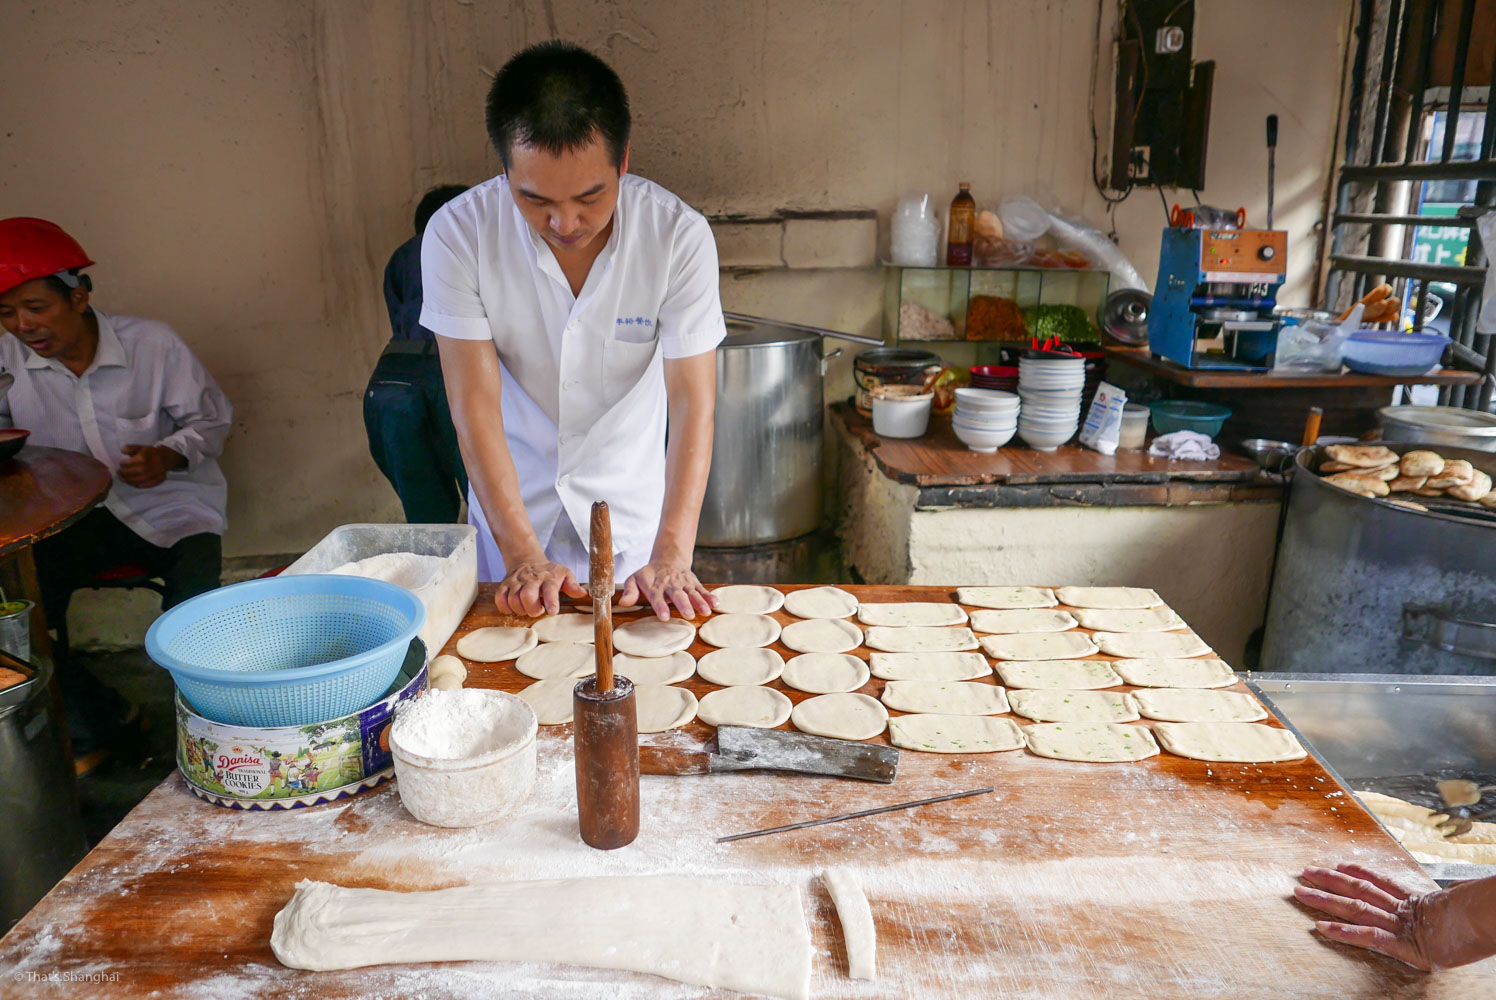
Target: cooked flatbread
[
  {"x": 1456, "y": 472},
  {"x": 1421, "y": 463},
  {"x": 1360, "y": 483},
  {"x": 1325, "y": 468},
  {"x": 1411, "y": 505},
  {"x": 1473, "y": 490},
  {"x": 1386, "y": 473},
  {"x": 1407, "y": 484},
  {"x": 1426, "y": 492},
  {"x": 1367, "y": 456},
  {"x": 1489, "y": 500}
]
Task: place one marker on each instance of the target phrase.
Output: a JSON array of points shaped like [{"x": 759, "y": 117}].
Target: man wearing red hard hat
[{"x": 130, "y": 393}]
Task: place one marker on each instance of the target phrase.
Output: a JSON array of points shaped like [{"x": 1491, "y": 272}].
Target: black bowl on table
[{"x": 12, "y": 440}]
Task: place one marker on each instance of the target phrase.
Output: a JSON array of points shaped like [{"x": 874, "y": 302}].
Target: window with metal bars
[{"x": 1418, "y": 171}]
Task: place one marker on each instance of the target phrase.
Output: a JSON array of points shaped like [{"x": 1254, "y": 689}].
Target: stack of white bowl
[
  {"x": 985, "y": 419},
  {"x": 1051, "y": 389}
]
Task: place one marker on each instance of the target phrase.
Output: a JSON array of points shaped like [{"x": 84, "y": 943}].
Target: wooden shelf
[{"x": 1217, "y": 379}]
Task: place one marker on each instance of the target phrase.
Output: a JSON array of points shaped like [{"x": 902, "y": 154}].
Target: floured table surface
[{"x": 1162, "y": 878}]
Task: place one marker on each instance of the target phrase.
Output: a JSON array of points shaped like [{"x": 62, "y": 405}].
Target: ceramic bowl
[
  {"x": 985, "y": 399},
  {"x": 985, "y": 441},
  {"x": 1042, "y": 438}
]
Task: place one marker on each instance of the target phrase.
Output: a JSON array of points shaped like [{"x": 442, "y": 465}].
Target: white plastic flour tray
[{"x": 451, "y": 591}]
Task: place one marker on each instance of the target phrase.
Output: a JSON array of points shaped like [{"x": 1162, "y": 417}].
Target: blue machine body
[{"x": 1204, "y": 271}]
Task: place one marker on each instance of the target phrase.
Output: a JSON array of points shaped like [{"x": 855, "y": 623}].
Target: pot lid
[
  {"x": 1443, "y": 418},
  {"x": 741, "y": 334},
  {"x": 896, "y": 357}
]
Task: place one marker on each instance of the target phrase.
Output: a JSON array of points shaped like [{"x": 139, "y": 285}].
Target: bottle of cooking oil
[{"x": 962, "y": 227}]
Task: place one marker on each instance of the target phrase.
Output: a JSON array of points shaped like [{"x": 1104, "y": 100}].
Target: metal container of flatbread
[{"x": 1363, "y": 585}]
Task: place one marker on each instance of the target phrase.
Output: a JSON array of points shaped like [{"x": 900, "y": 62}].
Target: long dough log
[
  {"x": 749, "y": 938},
  {"x": 857, "y": 921}
]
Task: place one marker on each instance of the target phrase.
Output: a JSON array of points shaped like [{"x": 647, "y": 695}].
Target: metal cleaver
[{"x": 745, "y": 748}]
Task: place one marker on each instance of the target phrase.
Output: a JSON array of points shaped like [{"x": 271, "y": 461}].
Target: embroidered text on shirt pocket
[{"x": 634, "y": 329}]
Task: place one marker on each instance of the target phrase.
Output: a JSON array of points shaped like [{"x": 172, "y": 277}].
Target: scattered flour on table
[
  {"x": 405, "y": 569},
  {"x": 450, "y": 725}
]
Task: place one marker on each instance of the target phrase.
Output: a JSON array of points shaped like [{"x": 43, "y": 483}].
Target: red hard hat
[{"x": 35, "y": 248}]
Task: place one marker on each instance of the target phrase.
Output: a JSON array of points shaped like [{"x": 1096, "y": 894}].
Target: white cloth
[
  {"x": 583, "y": 398},
  {"x": 145, "y": 386},
  {"x": 1189, "y": 446}
]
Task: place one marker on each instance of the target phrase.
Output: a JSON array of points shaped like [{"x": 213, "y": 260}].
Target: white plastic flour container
[{"x": 464, "y": 757}]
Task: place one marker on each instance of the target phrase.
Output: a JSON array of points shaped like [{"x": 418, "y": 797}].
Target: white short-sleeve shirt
[{"x": 583, "y": 398}]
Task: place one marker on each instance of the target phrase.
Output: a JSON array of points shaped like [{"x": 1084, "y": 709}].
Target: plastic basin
[
  {"x": 1170, "y": 415},
  {"x": 1388, "y": 352}
]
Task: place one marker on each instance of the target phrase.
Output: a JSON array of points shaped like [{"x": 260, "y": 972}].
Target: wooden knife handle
[{"x": 670, "y": 760}]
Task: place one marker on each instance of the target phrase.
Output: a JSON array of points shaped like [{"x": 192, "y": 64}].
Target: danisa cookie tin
[{"x": 287, "y": 767}]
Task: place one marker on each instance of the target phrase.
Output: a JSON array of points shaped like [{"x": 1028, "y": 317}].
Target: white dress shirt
[
  {"x": 144, "y": 387},
  {"x": 583, "y": 398}
]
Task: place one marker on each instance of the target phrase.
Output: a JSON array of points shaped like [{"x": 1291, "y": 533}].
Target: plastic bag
[
  {"x": 1026, "y": 219},
  {"x": 1485, "y": 320},
  {"x": 1103, "y": 427},
  {"x": 1313, "y": 347},
  {"x": 995, "y": 251}
]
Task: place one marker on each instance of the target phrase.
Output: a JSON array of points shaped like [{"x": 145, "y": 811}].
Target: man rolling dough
[{"x": 577, "y": 314}]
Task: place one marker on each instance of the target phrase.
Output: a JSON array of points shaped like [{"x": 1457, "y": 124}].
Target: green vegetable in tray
[{"x": 1068, "y": 323}]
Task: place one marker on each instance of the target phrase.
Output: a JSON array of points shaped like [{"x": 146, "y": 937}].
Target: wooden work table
[{"x": 1165, "y": 878}]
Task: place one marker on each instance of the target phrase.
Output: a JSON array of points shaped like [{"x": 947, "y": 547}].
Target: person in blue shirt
[{"x": 411, "y": 436}]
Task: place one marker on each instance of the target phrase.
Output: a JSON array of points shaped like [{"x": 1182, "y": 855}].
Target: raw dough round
[
  {"x": 919, "y": 639},
  {"x": 1039, "y": 646},
  {"x": 1030, "y": 620},
  {"x": 1050, "y": 705},
  {"x": 1101, "y": 742},
  {"x": 825, "y": 673},
  {"x": 490, "y": 645},
  {"x": 841, "y": 716},
  {"x": 946, "y": 666},
  {"x": 551, "y": 700},
  {"x": 954, "y": 733},
  {"x": 1142, "y": 645},
  {"x": 1244, "y": 742},
  {"x": 1186, "y": 705},
  {"x": 945, "y": 697},
  {"x": 1007, "y": 597},
  {"x": 447, "y": 673},
  {"x": 652, "y": 637},
  {"x": 820, "y": 602},
  {"x": 821, "y": 635},
  {"x": 660, "y": 707},
  {"x": 1130, "y": 619},
  {"x": 565, "y": 628},
  {"x": 1062, "y": 675},
  {"x": 909, "y": 613},
  {"x": 741, "y": 666},
  {"x": 558, "y": 659},
  {"x": 744, "y": 705},
  {"x": 655, "y": 669},
  {"x": 1108, "y": 597},
  {"x": 743, "y": 599},
  {"x": 735, "y": 631}
]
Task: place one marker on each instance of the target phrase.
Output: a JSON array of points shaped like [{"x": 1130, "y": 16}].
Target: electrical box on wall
[{"x": 1162, "y": 111}]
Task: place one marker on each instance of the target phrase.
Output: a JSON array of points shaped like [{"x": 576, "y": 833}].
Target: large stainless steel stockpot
[
  {"x": 1366, "y": 586},
  {"x": 1439, "y": 425}
]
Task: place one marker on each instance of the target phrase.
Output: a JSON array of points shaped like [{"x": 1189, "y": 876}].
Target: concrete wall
[{"x": 243, "y": 170}]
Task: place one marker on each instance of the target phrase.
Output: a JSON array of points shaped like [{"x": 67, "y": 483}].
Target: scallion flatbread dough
[
  {"x": 1039, "y": 646},
  {"x": 920, "y": 639},
  {"x": 734, "y": 631},
  {"x": 670, "y": 669},
  {"x": 1099, "y": 742},
  {"x": 1143, "y": 645},
  {"x": 1061, "y": 675},
  {"x": 1195, "y": 705},
  {"x": 948, "y": 666},
  {"x": 1108, "y": 597},
  {"x": 954, "y": 733},
  {"x": 945, "y": 698},
  {"x": 821, "y": 635},
  {"x": 820, "y": 602},
  {"x": 565, "y": 628},
  {"x": 1243, "y": 742},
  {"x": 1129, "y": 619},
  {"x": 744, "y": 599},
  {"x": 1007, "y": 597},
  {"x": 825, "y": 673},
  {"x": 659, "y": 707},
  {"x": 652, "y": 637},
  {"x": 744, "y": 705},
  {"x": 841, "y": 716},
  {"x": 909, "y": 613},
  {"x": 490, "y": 645},
  {"x": 558, "y": 659},
  {"x": 732, "y": 667},
  {"x": 1049, "y": 705},
  {"x": 551, "y": 700},
  {"x": 1175, "y": 672},
  {"x": 1026, "y": 620}
]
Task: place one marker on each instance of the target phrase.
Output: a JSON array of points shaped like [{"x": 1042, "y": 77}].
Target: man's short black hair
[
  {"x": 434, "y": 199},
  {"x": 557, "y": 97},
  {"x": 64, "y": 290}
]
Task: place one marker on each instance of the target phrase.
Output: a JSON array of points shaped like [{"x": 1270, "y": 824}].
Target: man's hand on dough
[
  {"x": 1373, "y": 911},
  {"x": 664, "y": 581},
  {"x": 535, "y": 588}
]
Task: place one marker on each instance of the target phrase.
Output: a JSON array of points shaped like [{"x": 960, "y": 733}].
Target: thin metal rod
[
  {"x": 1457, "y": 78},
  {"x": 1425, "y": 66},
  {"x": 855, "y": 815},
  {"x": 856, "y": 338}
]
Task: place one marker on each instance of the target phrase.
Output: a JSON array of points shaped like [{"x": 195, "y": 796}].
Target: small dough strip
[{"x": 857, "y": 921}]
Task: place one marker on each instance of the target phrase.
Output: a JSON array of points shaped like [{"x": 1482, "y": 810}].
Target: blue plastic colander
[{"x": 288, "y": 651}]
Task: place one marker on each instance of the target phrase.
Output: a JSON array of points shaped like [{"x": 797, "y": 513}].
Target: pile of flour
[
  {"x": 451, "y": 725},
  {"x": 406, "y": 569}
]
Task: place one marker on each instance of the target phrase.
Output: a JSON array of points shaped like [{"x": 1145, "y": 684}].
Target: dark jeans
[
  {"x": 69, "y": 559},
  {"x": 412, "y": 438}
]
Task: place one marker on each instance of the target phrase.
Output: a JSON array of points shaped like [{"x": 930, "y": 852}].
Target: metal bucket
[
  {"x": 1365, "y": 586},
  {"x": 1439, "y": 425}
]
